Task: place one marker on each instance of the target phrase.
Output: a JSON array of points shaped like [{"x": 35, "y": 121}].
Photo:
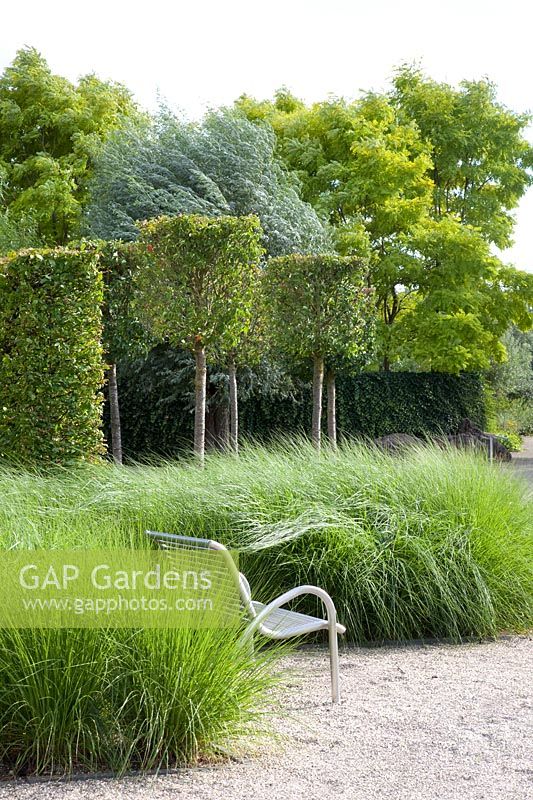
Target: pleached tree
[
  {"x": 195, "y": 288},
  {"x": 318, "y": 306}
]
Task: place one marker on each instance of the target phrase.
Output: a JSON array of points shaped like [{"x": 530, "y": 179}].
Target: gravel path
[
  {"x": 523, "y": 461},
  {"x": 418, "y": 722}
]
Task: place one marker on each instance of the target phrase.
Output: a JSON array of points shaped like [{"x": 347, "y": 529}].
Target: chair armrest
[{"x": 291, "y": 595}]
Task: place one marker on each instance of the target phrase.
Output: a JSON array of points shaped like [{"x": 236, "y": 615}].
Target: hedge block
[{"x": 51, "y": 366}]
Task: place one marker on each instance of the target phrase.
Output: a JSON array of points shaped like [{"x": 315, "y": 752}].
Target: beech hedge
[{"x": 51, "y": 364}]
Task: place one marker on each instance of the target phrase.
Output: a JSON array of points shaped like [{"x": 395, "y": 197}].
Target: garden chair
[{"x": 271, "y": 619}]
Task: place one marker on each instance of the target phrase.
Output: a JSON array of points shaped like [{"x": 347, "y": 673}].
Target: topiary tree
[
  {"x": 318, "y": 305},
  {"x": 195, "y": 288},
  {"x": 246, "y": 351},
  {"x": 123, "y": 334},
  {"x": 51, "y": 367}
]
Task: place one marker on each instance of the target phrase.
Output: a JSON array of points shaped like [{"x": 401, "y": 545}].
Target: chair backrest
[{"x": 174, "y": 541}]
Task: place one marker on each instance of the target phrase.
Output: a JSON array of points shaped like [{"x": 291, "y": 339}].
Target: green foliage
[
  {"x": 422, "y": 181},
  {"x": 429, "y": 544},
  {"x": 16, "y": 234},
  {"x": 374, "y": 404},
  {"x": 514, "y": 378},
  {"x": 317, "y": 304},
  {"x": 510, "y": 386},
  {"x": 157, "y": 402},
  {"x": 363, "y": 167},
  {"x": 51, "y": 357},
  {"x": 511, "y": 415},
  {"x": 463, "y": 303},
  {"x": 123, "y": 334},
  {"x": 223, "y": 165},
  {"x": 511, "y": 440},
  {"x": 197, "y": 281},
  {"x": 356, "y": 162},
  {"x": 481, "y": 160},
  {"x": 87, "y": 700},
  {"x": 377, "y": 403},
  {"x": 50, "y": 131}
]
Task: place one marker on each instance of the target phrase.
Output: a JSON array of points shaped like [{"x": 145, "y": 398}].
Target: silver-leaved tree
[{"x": 224, "y": 165}]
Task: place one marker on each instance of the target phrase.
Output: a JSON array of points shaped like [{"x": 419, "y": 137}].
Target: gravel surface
[
  {"x": 416, "y": 722},
  {"x": 523, "y": 461}
]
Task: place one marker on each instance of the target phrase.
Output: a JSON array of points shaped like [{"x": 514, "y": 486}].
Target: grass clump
[
  {"x": 85, "y": 700},
  {"x": 433, "y": 543}
]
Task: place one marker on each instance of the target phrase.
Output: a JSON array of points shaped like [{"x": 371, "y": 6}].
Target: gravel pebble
[{"x": 416, "y": 722}]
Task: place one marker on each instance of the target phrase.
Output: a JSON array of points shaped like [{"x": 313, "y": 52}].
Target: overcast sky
[{"x": 208, "y": 52}]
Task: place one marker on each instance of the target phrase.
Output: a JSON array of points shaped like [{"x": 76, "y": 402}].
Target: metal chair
[{"x": 270, "y": 619}]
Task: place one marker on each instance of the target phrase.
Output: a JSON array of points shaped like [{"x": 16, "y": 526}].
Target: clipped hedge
[
  {"x": 374, "y": 404},
  {"x": 156, "y": 403},
  {"x": 378, "y": 403},
  {"x": 51, "y": 367}
]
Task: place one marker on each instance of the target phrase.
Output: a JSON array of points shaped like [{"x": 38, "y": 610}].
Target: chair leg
[{"x": 334, "y": 662}]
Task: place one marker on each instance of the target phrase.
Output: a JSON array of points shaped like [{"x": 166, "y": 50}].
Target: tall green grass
[
  {"x": 86, "y": 700},
  {"x": 433, "y": 543}
]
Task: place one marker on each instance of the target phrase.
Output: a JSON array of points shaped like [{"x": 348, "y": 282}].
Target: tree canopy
[
  {"x": 196, "y": 287},
  {"x": 481, "y": 161},
  {"x": 50, "y": 130},
  {"x": 224, "y": 165},
  {"x": 317, "y": 310},
  {"x": 423, "y": 180}
]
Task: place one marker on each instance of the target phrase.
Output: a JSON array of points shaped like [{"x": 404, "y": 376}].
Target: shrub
[
  {"x": 511, "y": 440},
  {"x": 515, "y": 416},
  {"x": 51, "y": 358}
]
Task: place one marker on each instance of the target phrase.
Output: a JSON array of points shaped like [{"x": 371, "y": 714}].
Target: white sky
[{"x": 208, "y": 52}]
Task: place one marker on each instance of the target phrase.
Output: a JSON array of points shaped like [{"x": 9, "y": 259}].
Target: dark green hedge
[
  {"x": 378, "y": 403},
  {"x": 50, "y": 356},
  {"x": 156, "y": 397},
  {"x": 156, "y": 403}
]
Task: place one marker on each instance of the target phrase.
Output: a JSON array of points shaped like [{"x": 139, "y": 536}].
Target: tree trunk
[
  {"x": 385, "y": 366},
  {"x": 233, "y": 407},
  {"x": 200, "y": 383},
  {"x": 332, "y": 410},
  {"x": 114, "y": 414},
  {"x": 318, "y": 381}
]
